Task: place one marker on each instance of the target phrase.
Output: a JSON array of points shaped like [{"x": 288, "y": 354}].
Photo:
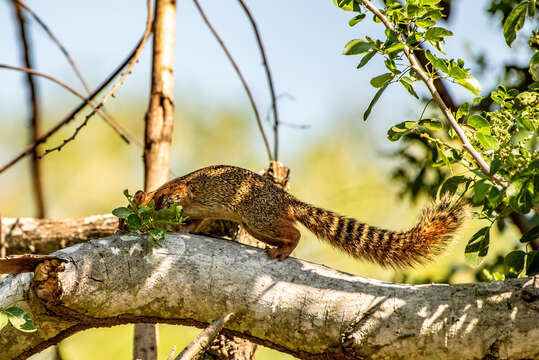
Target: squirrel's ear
[{"x": 139, "y": 197}]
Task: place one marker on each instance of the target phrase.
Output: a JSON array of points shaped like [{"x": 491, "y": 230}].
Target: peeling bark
[{"x": 304, "y": 309}]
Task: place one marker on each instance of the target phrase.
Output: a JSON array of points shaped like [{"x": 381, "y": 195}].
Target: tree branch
[
  {"x": 270, "y": 81},
  {"x": 43, "y": 236},
  {"x": 35, "y": 116},
  {"x": 71, "y": 116},
  {"x": 240, "y": 75},
  {"x": 301, "y": 308}
]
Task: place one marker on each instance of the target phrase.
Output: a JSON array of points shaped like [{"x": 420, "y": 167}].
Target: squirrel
[{"x": 269, "y": 213}]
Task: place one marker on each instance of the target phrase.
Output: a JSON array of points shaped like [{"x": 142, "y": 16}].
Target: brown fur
[{"x": 269, "y": 214}]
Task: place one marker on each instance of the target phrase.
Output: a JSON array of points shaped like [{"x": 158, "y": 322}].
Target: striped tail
[{"x": 387, "y": 248}]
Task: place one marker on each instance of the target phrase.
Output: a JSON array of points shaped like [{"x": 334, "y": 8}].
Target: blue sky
[{"x": 304, "y": 41}]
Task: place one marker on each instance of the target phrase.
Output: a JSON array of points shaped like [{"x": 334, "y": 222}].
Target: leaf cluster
[
  {"x": 147, "y": 219},
  {"x": 506, "y": 137}
]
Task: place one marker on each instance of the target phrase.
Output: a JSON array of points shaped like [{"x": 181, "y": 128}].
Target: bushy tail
[{"x": 387, "y": 248}]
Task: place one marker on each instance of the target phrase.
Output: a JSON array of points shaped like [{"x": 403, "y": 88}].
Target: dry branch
[
  {"x": 240, "y": 75},
  {"x": 72, "y": 115},
  {"x": 270, "y": 81},
  {"x": 304, "y": 309},
  {"x": 35, "y": 116}
]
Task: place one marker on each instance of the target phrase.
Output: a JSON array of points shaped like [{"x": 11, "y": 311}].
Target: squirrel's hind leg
[{"x": 283, "y": 235}]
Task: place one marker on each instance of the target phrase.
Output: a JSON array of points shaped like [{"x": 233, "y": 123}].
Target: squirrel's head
[{"x": 142, "y": 198}]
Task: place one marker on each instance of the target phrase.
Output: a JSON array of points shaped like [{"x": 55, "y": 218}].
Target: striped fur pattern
[{"x": 387, "y": 248}]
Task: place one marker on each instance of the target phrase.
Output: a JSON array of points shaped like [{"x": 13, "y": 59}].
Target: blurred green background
[{"x": 338, "y": 161}]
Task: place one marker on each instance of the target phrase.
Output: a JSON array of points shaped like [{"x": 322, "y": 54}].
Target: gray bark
[{"x": 304, "y": 309}]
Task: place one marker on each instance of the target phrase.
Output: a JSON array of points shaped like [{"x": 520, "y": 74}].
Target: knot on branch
[{"x": 46, "y": 284}]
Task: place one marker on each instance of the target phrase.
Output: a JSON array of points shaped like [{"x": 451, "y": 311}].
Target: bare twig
[
  {"x": 124, "y": 133},
  {"x": 429, "y": 81},
  {"x": 35, "y": 115},
  {"x": 113, "y": 124},
  {"x": 70, "y": 117},
  {"x": 57, "y": 42},
  {"x": 204, "y": 339},
  {"x": 270, "y": 81},
  {"x": 240, "y": 75},
  {"x": 115, "y": 87}
]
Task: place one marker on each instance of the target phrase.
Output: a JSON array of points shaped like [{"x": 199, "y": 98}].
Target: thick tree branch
[
  {"x": 43, "y": 236},
  {"x": 304, "y": 309}
]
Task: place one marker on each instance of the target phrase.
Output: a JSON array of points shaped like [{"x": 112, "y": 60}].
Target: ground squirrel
[{"x": 269, "y": 214}]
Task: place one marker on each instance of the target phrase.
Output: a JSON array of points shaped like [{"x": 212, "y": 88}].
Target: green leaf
[
  {"x": 530, "y": 235},
  {"x": 3, "y": 319},
  {"x": 365, "y": 59},
  {"x": 435, "y": 34},
  {"x": 432, "y": 124},
  {"x": 133, "y": 222},
  {"x": 480, "y": 192},
  {"x": 477, "y": 247},
  {"x": 381, "y": 81},
  {"x": 356, "y": 19},
  {"x": 514, "y": 263},
  {"x": 397, "y": 47},
  {"x": 458, "y": 73},
  {"x": 408, "y": 85},
  {"x": 157, "y": 236},
  {"x": 534, "y": 66},
  {"x": 495, "y": 165},
  {"x": 494, "y": 197},
  {"x": 429, "y": 2},
  {"x": 373, "y": 102},
  {"x": 347, "y": 5},
  {"x": 444, "y": 158},
  {"x": 121, "y": 212},
  {"x": 531, "y": 8},
  {"x": 488, "y": 142},
  {"x": 356, "y": 46},
  {"x": 478, "y": 122},
  {"x": 463, "y": 110},
  {"x": 519, "y": 196},
  {"x": 20, "y": 319},
  {"x": 440, "y": 64},
  {"x": 425, "y": 23},
  {"x": 525, "y": 123},
  {"x": 471, "y": 84},
  {"x": 532, "y": 263},
  {"x": 451, "y": 185},
  {"x": 397, "y": 131},
  {"x": 514, "y": 21}
]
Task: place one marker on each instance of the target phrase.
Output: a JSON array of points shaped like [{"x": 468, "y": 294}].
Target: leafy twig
[
  {"x": 429, "y": 81},
  {"x": 242, "y": 79}
]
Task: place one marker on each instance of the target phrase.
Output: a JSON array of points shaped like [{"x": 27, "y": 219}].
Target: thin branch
[
  {"x": 117, "y": 127},
  {"x": 57, "y": 42},
  {"x": 113, "y": 124},
  {"x": 35, "y": 116},
  {"x": 240, "y": 75},
  {"x": 429, "y": 81},
  {"x": 115, "y": 87},
  {"x": 270, "y": 81},
  {"x": 204, "y": 339},
  {"x": 70, "y": 117}
]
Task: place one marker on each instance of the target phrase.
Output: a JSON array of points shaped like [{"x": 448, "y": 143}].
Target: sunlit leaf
[
  {"x": 373, "y": 102},
  {"x": 477, "y": 247},
  {"x": 356, "y": 19},
  {"x": 382, "y": 80},
  {"x": 365, "y": 59},
  {"x": 356, "y": 46},
  {"x": 514, "y": 21},
  {"x": 488, "y": 142}
]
